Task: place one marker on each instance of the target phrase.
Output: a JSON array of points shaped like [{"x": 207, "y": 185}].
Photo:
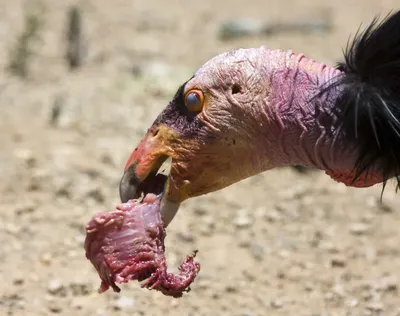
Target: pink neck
[{"x": 303, "y": 133}]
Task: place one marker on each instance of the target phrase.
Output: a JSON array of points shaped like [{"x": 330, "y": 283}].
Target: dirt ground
[{"x": 280, "y": 243}]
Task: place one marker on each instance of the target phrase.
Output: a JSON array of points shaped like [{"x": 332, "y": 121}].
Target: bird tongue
[{"x": 128, "y": 244}]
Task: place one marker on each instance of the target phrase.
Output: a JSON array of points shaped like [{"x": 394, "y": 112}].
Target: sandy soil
[{"x": 280, "y": 243}]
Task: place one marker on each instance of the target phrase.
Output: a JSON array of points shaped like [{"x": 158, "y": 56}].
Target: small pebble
[
  {"x": 283, "y": 253},
  {"x": 12, "y": 228},
  {"x": 186, "y": 235},
  {"x": 25, "y": 208},
  {"x": 272, "y": 216},
  {"x": 200, "y": 211},
  {"x": 55, "y": 309},
  {"x": 79, "y": 288},
  {"x": 390, "y": 284},
  {"x": 257, "y": 251},
  {"x": 371, "y": 201},
  {"x": 123, "y": 302},
  {"x": 239, "y": 27},
  {"x": 136, "y": 70},
  {"x": 77, "y": 303},
  {"x": 329, "y": 296},
  {"x": 359, "y": 229},
  {"x": 18, "y": 281},
  {"x": 55, "y": 287},
  {"x": 353, "y": 302},
  {"x": 288, "y": 210},
  {"x": 329, "y": 247},
  {"x": 309, "y": 287},
  {"x": 62, "y": 187},
  {"x": 338, "y": 262},
  {"x": 338, "y": 290},
  {"x": 174, "y": 303},
  {"x": 46, "y": 258},
  {"x": 285, "y": 241},
  {"x": 27, "y": 155},
  {"x": 208, "y": 225},
  {"x": 375, "y": 306},
  {"x": 249, "y": 275},
  {"x": 387, "y": 207},
  {"x": 202, "y": 284},
  {"x": 370, "y": 254},
  {"x": 276, "y": 303},
  {"x": 316, "y": 238},
  {"x": 230, "y": 289},
  {"x": 242, "y": 219},
  {"x": 12, "y": 300}
]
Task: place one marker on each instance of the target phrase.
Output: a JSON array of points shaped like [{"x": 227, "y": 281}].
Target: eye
[{"x": 194, "y": 100}]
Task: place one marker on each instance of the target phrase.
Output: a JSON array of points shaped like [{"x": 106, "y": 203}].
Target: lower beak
[{"x": 140, "y": 174}]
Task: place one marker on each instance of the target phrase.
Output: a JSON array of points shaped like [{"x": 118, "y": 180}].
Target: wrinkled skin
[
  {"x": 208, "y": 148},
  {"x": 208, "y": 154},
  {"x": 259, "y": 112}
]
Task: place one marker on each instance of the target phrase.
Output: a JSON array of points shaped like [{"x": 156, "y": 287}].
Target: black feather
[{"x": 370, "y": 103}]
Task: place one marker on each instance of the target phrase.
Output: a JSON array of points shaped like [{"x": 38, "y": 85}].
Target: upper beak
[{"x": 140, "y": 174}]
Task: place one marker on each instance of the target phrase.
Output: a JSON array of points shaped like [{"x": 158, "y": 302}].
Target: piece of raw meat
[{"x": 128, "y": 244}]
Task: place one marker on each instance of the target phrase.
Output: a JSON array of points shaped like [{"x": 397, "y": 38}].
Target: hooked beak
[{"x": 141, "y": 172}]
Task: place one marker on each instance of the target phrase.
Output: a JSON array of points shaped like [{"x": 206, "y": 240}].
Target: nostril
[
  {"x": 156, "y": 132},
  {"x": 236, "y": 89}
]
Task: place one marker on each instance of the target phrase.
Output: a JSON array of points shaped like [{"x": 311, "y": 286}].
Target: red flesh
[{"x": 128, "y": 244}]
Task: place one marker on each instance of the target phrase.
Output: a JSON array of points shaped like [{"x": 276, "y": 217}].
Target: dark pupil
[{"x": 193, "y": 100}]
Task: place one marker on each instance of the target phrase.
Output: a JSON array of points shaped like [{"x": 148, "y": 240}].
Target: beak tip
[{"x": 128, "y": 185}]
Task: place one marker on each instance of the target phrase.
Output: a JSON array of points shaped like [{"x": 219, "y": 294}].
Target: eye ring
[{"x": 194, "y": 100}]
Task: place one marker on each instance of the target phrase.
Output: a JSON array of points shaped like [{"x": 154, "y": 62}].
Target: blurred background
[{"x": 81, "y": 81}]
